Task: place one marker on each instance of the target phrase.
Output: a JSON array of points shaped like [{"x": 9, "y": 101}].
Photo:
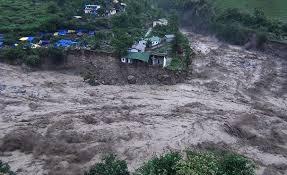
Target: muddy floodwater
[{"x": 52, "y": 122}]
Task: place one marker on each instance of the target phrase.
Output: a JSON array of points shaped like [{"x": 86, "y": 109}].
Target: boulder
[
  {"x": 165, "y": 79},
  {"x": 132, "y": 79}
]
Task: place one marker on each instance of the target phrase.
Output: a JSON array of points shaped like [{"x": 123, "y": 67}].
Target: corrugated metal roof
[{"x": 142, "y": 56}]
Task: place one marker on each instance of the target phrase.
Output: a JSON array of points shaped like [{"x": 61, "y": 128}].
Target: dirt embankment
[
  {"x": 51, "y": 122},
  {"x": 107, "y": 69}
]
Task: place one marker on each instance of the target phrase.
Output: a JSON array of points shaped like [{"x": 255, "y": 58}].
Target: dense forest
[{"x": 232, "y": 22}]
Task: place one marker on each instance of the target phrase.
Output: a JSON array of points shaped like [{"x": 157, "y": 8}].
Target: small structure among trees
[{"x": 92, "y": 9}]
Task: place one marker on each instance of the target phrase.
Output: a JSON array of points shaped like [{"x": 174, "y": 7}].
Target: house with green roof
[
  {"x": 155, "y": 59},
  {"x": 133, "y": 57}
]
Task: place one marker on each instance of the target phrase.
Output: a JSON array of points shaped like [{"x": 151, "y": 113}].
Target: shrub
[
  {"x": 32, "y": 60},
  {"x": 12, "y": 54},
  {"x": 199, "y": 163},
  {"x": 176, "y": 64},
  {"x": 233, "y": 164},
  {"x": 163, "y": 165},
  {"x": 56, "y": 55},
  {"x": 110, "y": 165},
  {"x": 5, "y": 169}
]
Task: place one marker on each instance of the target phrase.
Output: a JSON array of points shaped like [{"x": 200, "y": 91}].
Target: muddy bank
[{"x": 104, "y": 68}]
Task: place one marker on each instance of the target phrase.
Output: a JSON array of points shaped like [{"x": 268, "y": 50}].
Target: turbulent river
[{"x": 52, "y": 122}]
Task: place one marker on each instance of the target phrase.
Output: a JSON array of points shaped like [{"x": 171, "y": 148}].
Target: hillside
[
  {"x": 276, "y": 9},
  {"x": 29, "y": 16}
]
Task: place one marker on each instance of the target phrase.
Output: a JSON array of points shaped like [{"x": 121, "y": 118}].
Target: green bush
[
  {"x": 33, "y": 60},
  {"x": 5, "y": 169},
  {"x": 176, "y": 64},
  {"x": 12, "y": 54},
  {"x": 199, "y": 163},
  {"x": 195, "y": 163},
  {"x": 233, "y": 164},
  {"x": 110, "y": 165},
  {"x": 163, "y": 165}
]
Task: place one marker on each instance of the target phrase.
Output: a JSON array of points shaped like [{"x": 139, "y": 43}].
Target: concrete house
[
  {"x": 154, "y": 40},
  {"x": 169, "y": 38},
  {"x": 160, "y": 22},
  {"x": 159, "y": 59},
  {"x": 113, "y": 12},
  {"x": 91, "y": 9},
  {"x": 140, "y": 46},
  {"x": 135, "y": 57},
  {"x": 155, "y": 59}
]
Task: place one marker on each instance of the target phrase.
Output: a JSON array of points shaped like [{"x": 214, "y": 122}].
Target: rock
[
  {"x": 93, "y": 82},
  {"x": 165, "y": 79},
  {"x": 132, "y": 79}
]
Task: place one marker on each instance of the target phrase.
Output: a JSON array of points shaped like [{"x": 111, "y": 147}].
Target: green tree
[
  {"x": 121, "y": 42},
  {"x": 110, "y": 165},
  {"x": 163, "y": 165},
  {"x": 199, "y": 163},
  {"x": 233, "y": 164},
  {"x": 148, "y": 44},
  {"x": 5, "y": 169}
]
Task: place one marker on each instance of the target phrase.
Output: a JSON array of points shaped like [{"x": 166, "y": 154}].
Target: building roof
[
  {"x": 163, "y": 20},
  {"x": 142, "y": 56},
  {"x": 141, "y": 45},
  {"x": 154, "y": 39},
  {"x": 170, "y": 36},
  {"x": 30, "y": 38}
]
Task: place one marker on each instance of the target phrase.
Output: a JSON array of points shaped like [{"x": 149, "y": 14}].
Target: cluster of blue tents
[
  {"x": 65, "y": 43},
  {"x": 78, "y": 32}
]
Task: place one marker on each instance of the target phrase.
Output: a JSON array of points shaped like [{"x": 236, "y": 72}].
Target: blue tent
[
  {"x": 81, "y": 32},
  {"x": 1, "y": 44},
  {"x": 30, "y": 38},
  {"x": 63, "y": 32},
  {"x": 92, "y": 33},
  {"x": 44, "y": 42},
  {"x": 65, "y": 43}
]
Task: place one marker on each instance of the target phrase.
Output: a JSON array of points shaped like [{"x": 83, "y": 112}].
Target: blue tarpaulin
[
  {"x": 44, "y": 42},
  {"x": 92, "y": 32},
  {"x": 1, "y": 44},
  {"x": 80, "y": 32},
  {"x": 30, "y": 38},
  {"x": 63, "y": 32},
  {"x": 65, "y": 43}
]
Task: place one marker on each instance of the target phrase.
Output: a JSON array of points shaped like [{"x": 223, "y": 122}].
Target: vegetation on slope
[
  {"x": 231, "y": 22},
  {"x": 275, "y": 9}
]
